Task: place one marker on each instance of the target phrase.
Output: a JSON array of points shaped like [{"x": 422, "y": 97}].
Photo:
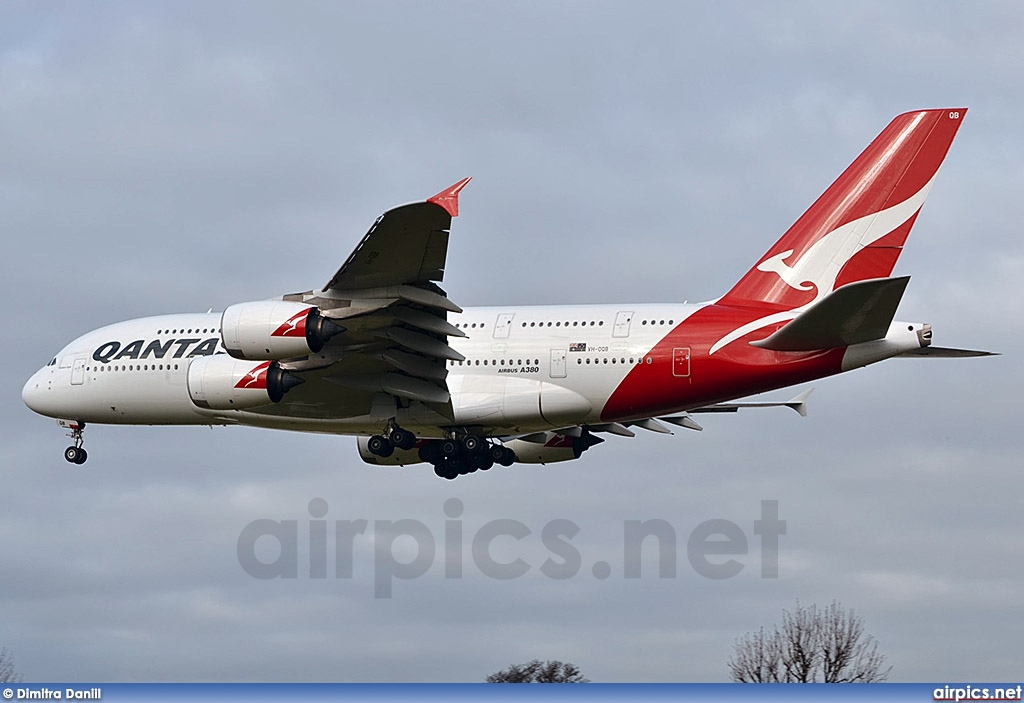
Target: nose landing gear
[{"x": 74, "y": 454}]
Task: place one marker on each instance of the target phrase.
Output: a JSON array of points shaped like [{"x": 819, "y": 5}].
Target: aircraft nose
[{"x": 32, "y": 393}]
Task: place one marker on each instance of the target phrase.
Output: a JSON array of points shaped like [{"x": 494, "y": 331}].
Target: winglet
[{"x": 449, "y": 197}]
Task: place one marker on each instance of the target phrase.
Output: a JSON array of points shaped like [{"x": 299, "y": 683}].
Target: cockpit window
[{"x": 53, "y": 362}]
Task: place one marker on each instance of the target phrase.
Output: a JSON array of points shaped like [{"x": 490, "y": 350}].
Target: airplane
[{"x": 382, "y": 353}]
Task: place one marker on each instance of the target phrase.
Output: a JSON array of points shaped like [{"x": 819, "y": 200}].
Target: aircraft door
[
  {"x": 558, "y": 363},
  {"x": 622, "y": 322},
  {"x": 503, "y": 324},
  {"x": 681, "y": 362},
  {"x": 78, "y": 372}
]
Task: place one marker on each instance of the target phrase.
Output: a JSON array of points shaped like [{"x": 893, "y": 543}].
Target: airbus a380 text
[{"x": 382, "y": 353}]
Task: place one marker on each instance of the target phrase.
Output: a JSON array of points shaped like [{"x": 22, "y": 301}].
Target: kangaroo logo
[
  {"x": 294, "y": 326},
  {"x": 256, "y": 378},
  {"x": 820, "y": 265}
]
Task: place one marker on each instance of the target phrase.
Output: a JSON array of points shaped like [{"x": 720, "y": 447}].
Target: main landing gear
[
  {"x": 75, "y": 454},
  {"x": 396, "y": 438},
  {"x": 456, "y": 457}
]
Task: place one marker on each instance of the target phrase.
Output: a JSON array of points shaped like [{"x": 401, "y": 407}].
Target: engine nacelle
[
  {"x": 557, "y": 448},
  {"x": 400, "y": 457},
  {"x": 275, "y": 329},
  {"x": 222, "y": 383}
]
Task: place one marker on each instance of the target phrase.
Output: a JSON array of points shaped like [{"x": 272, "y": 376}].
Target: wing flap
[
  {"x": 415, "y": 365},
  {"x": 395, "y": 384}
]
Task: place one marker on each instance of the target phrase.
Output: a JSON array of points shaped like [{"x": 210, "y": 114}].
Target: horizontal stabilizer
[
  {"x": 855, "y": 313},
  {"x": 944, "y": 353}
]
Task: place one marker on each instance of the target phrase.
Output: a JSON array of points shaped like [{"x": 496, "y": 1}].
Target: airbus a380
[{"x": 382, "y": 353}]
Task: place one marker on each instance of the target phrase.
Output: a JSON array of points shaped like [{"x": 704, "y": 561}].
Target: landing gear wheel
[
  {"x": 445, "y": 471},
  {"x": 380, "y": 445},
  {"x": 403, "y": 439},
  {"x": 471, "y": 443},
  {"x": 74, "y": 454},
  {"x": 508, "y": 457},
  {"x": 449, "y": 447},
  {"x": 430, "y": 452}
]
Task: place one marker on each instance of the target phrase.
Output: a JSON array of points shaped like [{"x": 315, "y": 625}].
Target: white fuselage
[{"x": 526, "y": 369}]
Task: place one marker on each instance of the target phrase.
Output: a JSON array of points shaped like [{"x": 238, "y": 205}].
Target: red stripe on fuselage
[{"x": 734, "y": 371}]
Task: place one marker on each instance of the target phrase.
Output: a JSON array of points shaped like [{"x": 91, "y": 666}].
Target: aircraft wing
[
  {"x": 657, "y": 424},
  {"x": 394, "y": 348},
  {"x": 406, "y": 245}
]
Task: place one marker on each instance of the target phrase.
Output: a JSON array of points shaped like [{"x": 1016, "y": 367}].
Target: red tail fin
[{"x": 857, "y": 228}]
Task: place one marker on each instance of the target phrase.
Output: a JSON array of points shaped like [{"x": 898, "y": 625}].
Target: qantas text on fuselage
[{"x": 382, "y": 353}]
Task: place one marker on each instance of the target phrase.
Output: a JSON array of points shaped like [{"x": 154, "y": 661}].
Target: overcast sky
[{"x": 173, "y": 157}]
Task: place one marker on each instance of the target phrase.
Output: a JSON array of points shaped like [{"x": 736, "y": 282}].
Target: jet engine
[
  {"x": 557, "y": 448},
  {"x": 275, "y": 329},
  {"x": 222, "y": 383}
]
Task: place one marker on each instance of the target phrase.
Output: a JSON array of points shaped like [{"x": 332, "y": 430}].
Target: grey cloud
[{"x": 174, "y": 157}]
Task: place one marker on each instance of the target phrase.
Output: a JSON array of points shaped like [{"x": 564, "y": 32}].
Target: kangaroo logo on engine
[{"x": 294, "y": 326}]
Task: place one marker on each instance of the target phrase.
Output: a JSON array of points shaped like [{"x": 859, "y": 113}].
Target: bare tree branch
[
  {"x": 7, "y": 672},
  {"x": 810, "y": 645},
  {"x": 536, "y": 671},
  {"x": 756, "y": 658}
]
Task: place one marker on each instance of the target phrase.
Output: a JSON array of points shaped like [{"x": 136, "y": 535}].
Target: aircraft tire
[
  {"x": 403, "y": 439},
  {"x": 380, "y": 445},
  {"x": 430, "y": 452},
  {"x": 450, "y": 447}
]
